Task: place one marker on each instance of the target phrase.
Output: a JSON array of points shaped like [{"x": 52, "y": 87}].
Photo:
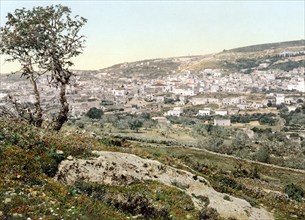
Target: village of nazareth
[
  {"x": 178, "y": 100},
  {"x": 237, "y": 116},
  {"x": 210, "y": 137},
  {"x": 220, "y": 93}
]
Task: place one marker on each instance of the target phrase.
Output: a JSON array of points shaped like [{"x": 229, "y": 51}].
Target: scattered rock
[
  {"x": 59, "y": 152},
  {"x": 69, "y": 157},
  {"x": 7, "y": 200}
]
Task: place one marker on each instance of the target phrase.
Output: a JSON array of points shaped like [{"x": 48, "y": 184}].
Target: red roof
[
  {"x": 159, "y": 84},
  {"x": 120, "y": 88}
]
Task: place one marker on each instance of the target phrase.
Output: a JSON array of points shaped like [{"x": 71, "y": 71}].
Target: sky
[{"x": 126, "y": 31}]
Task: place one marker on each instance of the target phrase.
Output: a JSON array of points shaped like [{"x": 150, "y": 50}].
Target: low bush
[
  {"x": 208, "y": 214},
  {"x": 294, "y": 192}
]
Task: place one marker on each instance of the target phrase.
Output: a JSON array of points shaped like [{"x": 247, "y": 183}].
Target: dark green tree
[
  {"x": 135, "y": 124},
  {"x": 263, "y": 155},
  {"x": 94, "y": 113}
]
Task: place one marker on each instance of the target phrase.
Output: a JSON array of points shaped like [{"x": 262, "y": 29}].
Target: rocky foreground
[{"x": 121, "y": 168}]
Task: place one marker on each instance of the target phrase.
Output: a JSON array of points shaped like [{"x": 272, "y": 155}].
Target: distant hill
[
  {"x": 243, "y": 59},
  {"x": 259, "y": 47}
]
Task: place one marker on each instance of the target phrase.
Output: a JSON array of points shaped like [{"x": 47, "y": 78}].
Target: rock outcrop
[{"x": 122, "y": 168}]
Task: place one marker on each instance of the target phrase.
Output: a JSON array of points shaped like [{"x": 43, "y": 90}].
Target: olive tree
[
  {"x": 94, "y": 113},
  {"x": 47, "y": 38},
  {"x": 135, "y": 124},
  {"x": 20, "y": 41}
]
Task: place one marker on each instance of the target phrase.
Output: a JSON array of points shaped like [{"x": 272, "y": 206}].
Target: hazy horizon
[{"x": 127, "y": 31}]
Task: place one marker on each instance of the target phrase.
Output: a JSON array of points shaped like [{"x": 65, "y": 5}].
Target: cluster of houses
[{"x": 135, "y": 95}]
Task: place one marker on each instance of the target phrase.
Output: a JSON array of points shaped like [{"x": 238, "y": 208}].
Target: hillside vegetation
[{"x": 30, "y": 159}]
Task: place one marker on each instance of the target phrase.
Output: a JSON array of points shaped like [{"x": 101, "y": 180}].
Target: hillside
[
  {"x": 243, "y": 59},
  {"x": 93, "y": 180},
  {"x": 260, "y": 47}
]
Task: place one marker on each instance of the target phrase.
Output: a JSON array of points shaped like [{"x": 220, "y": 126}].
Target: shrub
[
  {"x": 94, "y": 113},
  {"x": 208, "y": 214},
  {"x": 294, "y": 191},
  {"x": 225, "y": 182},
  {"x": 226, "y": 197},
  {"x": 263, "y": 155},
  {"x": 80, "y": 124},
  {"x": 204, "y": 199}
]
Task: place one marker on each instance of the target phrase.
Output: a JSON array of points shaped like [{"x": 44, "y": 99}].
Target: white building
[
  {"x": 189, "y": 91},
  {"x": 159, "y": 99},
  {"x": 222, "y": 122},
  {"x": 215, "y": 88},
  {"x": 199, "y": 101},
  {"x": 120, "y": 91},
  {"x": 298, "y": 86},
  {"x": 221, "y": 112},
  {"x": 279, "y": 99},
  {"x": 204, "y": 112},
  {"x": 177, "y": 111},
  {"x": 257, "y": 105}
]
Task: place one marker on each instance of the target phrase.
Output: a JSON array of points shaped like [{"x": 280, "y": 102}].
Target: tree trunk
[
  {"x": 38, "y": 110},
  {"x": 64, "y": 108}
]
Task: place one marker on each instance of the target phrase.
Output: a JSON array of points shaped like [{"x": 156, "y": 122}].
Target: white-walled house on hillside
[
  {"x": 177, "y": 111},
  {"x": 221, "y": 112},
  {"x": 279, "y": 99},
  {"x": 222, "y": 122},
  {"x": 120, "y": 91},
  {"x": 198, "y": 101},
  {"x": 204, "y": 112}
]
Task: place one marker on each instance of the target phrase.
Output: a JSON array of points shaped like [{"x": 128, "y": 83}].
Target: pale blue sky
[{"x": 124, "y": 31}]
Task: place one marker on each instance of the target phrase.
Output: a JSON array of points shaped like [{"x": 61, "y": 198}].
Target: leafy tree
[
  {"x": 263, "y": 155},
  {"x": 212, "y": 143},
  {"x": 94, "y": 113},
  {"x": 241, "y": 140},
  {"x": 149, "y": 123},
  {"x": 47, "y": 38},
  {"x": 267, "y": 120},
  {"x": 135, "y": 124},
  {"x": 20, "y": 40},
  {"x": 62, "y": 41}
]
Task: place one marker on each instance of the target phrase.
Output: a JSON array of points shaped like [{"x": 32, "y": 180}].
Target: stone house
[{"x": 222, "y": 122}]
